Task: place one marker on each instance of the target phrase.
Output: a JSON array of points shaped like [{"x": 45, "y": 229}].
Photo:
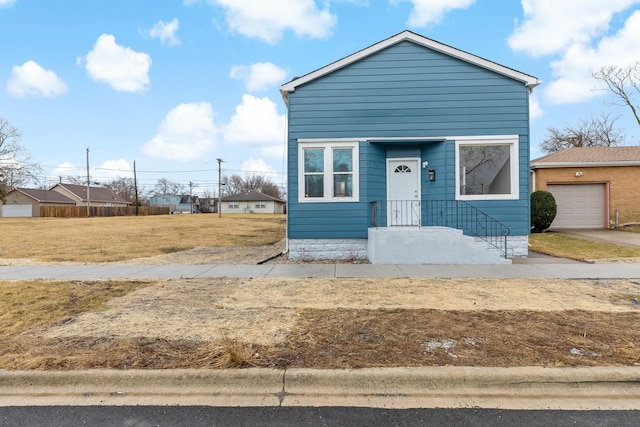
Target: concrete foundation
[{"x": 410, "y": 245}]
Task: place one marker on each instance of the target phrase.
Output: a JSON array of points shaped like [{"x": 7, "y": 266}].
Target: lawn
[
  {"x": 317, "y": 323},
  {"x": 125, "y": 238},
  {"x": 578, "y": 249}
]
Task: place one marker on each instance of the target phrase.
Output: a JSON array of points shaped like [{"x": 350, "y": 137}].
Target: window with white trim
[
  {"x": 261, "y": 204},
  {"x": 328, "y": 172},
  {"x": 234, "y": 205},
  {"x": 487, "y": 170}
]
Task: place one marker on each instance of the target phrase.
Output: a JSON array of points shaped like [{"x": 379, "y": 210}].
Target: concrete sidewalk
[
  {"x": 425, "y": 387},
  {"x": 122, "y": 271}
]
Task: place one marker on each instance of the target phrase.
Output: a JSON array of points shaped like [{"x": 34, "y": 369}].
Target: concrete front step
[{"x": 429, "y": 245}]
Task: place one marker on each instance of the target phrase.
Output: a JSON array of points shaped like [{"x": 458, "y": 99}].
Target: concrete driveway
[{"x": 616, "y": 237}]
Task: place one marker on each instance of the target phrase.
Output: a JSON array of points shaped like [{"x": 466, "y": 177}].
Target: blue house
[
  {"x": 409, "y": 151},
  {"x": 176, "y": 203}
]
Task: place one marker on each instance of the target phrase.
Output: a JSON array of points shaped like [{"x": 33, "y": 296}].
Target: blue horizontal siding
[{"x": 406, "y": 90}]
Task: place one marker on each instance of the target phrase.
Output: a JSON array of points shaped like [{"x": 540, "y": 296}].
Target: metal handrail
[{"x": 457, "y": 214}]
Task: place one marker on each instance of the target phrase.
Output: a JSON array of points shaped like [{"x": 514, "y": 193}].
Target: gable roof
[
  {"x": 528, "y": 80},
  {"x": 45, "y": 195},
  {"x": 97, "y": 194},
  {"x": 251, "y": 196},
  {"x": 590, "y": 156}
]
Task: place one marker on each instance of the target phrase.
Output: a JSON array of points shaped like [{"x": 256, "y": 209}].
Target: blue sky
[{"x": 175, "y": 84}]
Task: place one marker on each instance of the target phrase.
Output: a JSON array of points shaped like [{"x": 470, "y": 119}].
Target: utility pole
[
  {"x": 219, "y": 188},
  {"x": 135, "y": 186},
  {"x": 190, "y": 196},
  {"x": 88, "y": 185}
]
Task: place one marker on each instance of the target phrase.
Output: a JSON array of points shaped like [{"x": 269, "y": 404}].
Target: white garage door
[
  {"x": 15, "y": 211},
  {"x": 579, "y": 206}
]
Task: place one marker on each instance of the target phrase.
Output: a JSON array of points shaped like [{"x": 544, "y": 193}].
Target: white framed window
[
  {"x": 487, "y": 168},
  {"x": 234, "y": 205},
  {"x": 261, "y": 205},
  {"x": 328, "y": 172}
]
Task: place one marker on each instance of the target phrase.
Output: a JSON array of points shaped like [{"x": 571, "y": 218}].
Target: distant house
[
  {"x": 252, "y": 202},
  {"x": 26, "y": 202},
  {"x": 98, "y": 196},
  {"x": 409, "y": 151},
  {"x": 208, "y": 204},
  {"x": 176, "y": 203},
  {"x": 594, "y": 187}
]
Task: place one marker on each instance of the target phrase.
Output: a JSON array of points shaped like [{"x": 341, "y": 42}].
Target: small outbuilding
[{"x": 252, "y": 202}]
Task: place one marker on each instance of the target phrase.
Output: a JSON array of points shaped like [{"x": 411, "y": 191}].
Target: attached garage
[
  {"x": 579, "y": 205},
  {"x": 15, "y": 211}
]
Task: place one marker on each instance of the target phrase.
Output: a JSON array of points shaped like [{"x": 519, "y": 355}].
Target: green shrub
[{"x": 543, "y": 210}]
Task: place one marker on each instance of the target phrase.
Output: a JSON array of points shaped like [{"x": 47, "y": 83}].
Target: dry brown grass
[
  {"x": 578, "y": 249},
  {"x": 126, "y": 238},
  {"x": 318, "y": 323},
  {"x": 28, "y": 305}
]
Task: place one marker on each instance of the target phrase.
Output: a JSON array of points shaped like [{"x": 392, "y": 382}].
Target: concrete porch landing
[{"x": 429, "y": 245}]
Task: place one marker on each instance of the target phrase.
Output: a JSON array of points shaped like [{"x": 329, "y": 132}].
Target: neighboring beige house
[
  {"x": 594, "y": 187},
  {"x": 26, "y": 202},
  {"x": 251, "y": 202},
  {"x": 98, "y": 196}
]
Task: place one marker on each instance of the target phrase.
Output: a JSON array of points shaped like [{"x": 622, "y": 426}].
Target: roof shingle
[{"x": 591, "y": 155}]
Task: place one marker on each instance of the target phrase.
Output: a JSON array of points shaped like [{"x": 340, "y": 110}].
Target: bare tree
[
  {"x": 593, "y": 132},
  {"x": 623, "y": 83},
  {"x": 236, "y": 184},
  {"x": 164, "y": 186},
  {"x": 123, "y": 187},
  {"x": 16, "y": 166}
]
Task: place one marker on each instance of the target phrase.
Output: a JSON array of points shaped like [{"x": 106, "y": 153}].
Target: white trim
[
  {"x": 328, "y": 145},
  {"x": 527, "y": 79},
  {"x": 513, "y": 142}
]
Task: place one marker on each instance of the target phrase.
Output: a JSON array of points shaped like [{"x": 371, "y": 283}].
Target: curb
[{"x": 423, "y": 387}]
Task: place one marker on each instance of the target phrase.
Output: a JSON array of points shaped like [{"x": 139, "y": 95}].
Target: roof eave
[{"x": 550, "y": 165}]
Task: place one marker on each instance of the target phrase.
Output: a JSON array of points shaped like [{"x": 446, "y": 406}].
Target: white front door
[{"x": 403, "y": 192}]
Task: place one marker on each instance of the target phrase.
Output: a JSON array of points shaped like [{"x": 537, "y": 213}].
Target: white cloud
[
  {"x": 188, "y": 132},
  {"x": 64, "y": 170},
  {"x": 7, "y": 3},
  {"x": 111, "y": 170},
  {"x": 267, "y": 20},
  {"x": 166, "y": 32},
  {"x": 551, "y": 26},
  {"x": 106, "y": 172},
  {"x": 120, "y": 67},
  {"x": 428, "y": 12},
  {"x": 535, "y": 111},
  {"x": 256, "y": 124},
  {"x": 573, "y": 72},
  {"x": 259, "y": 76},
  {"x": 30, "y": 79},
  {"x": 253, "y": 166}
]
